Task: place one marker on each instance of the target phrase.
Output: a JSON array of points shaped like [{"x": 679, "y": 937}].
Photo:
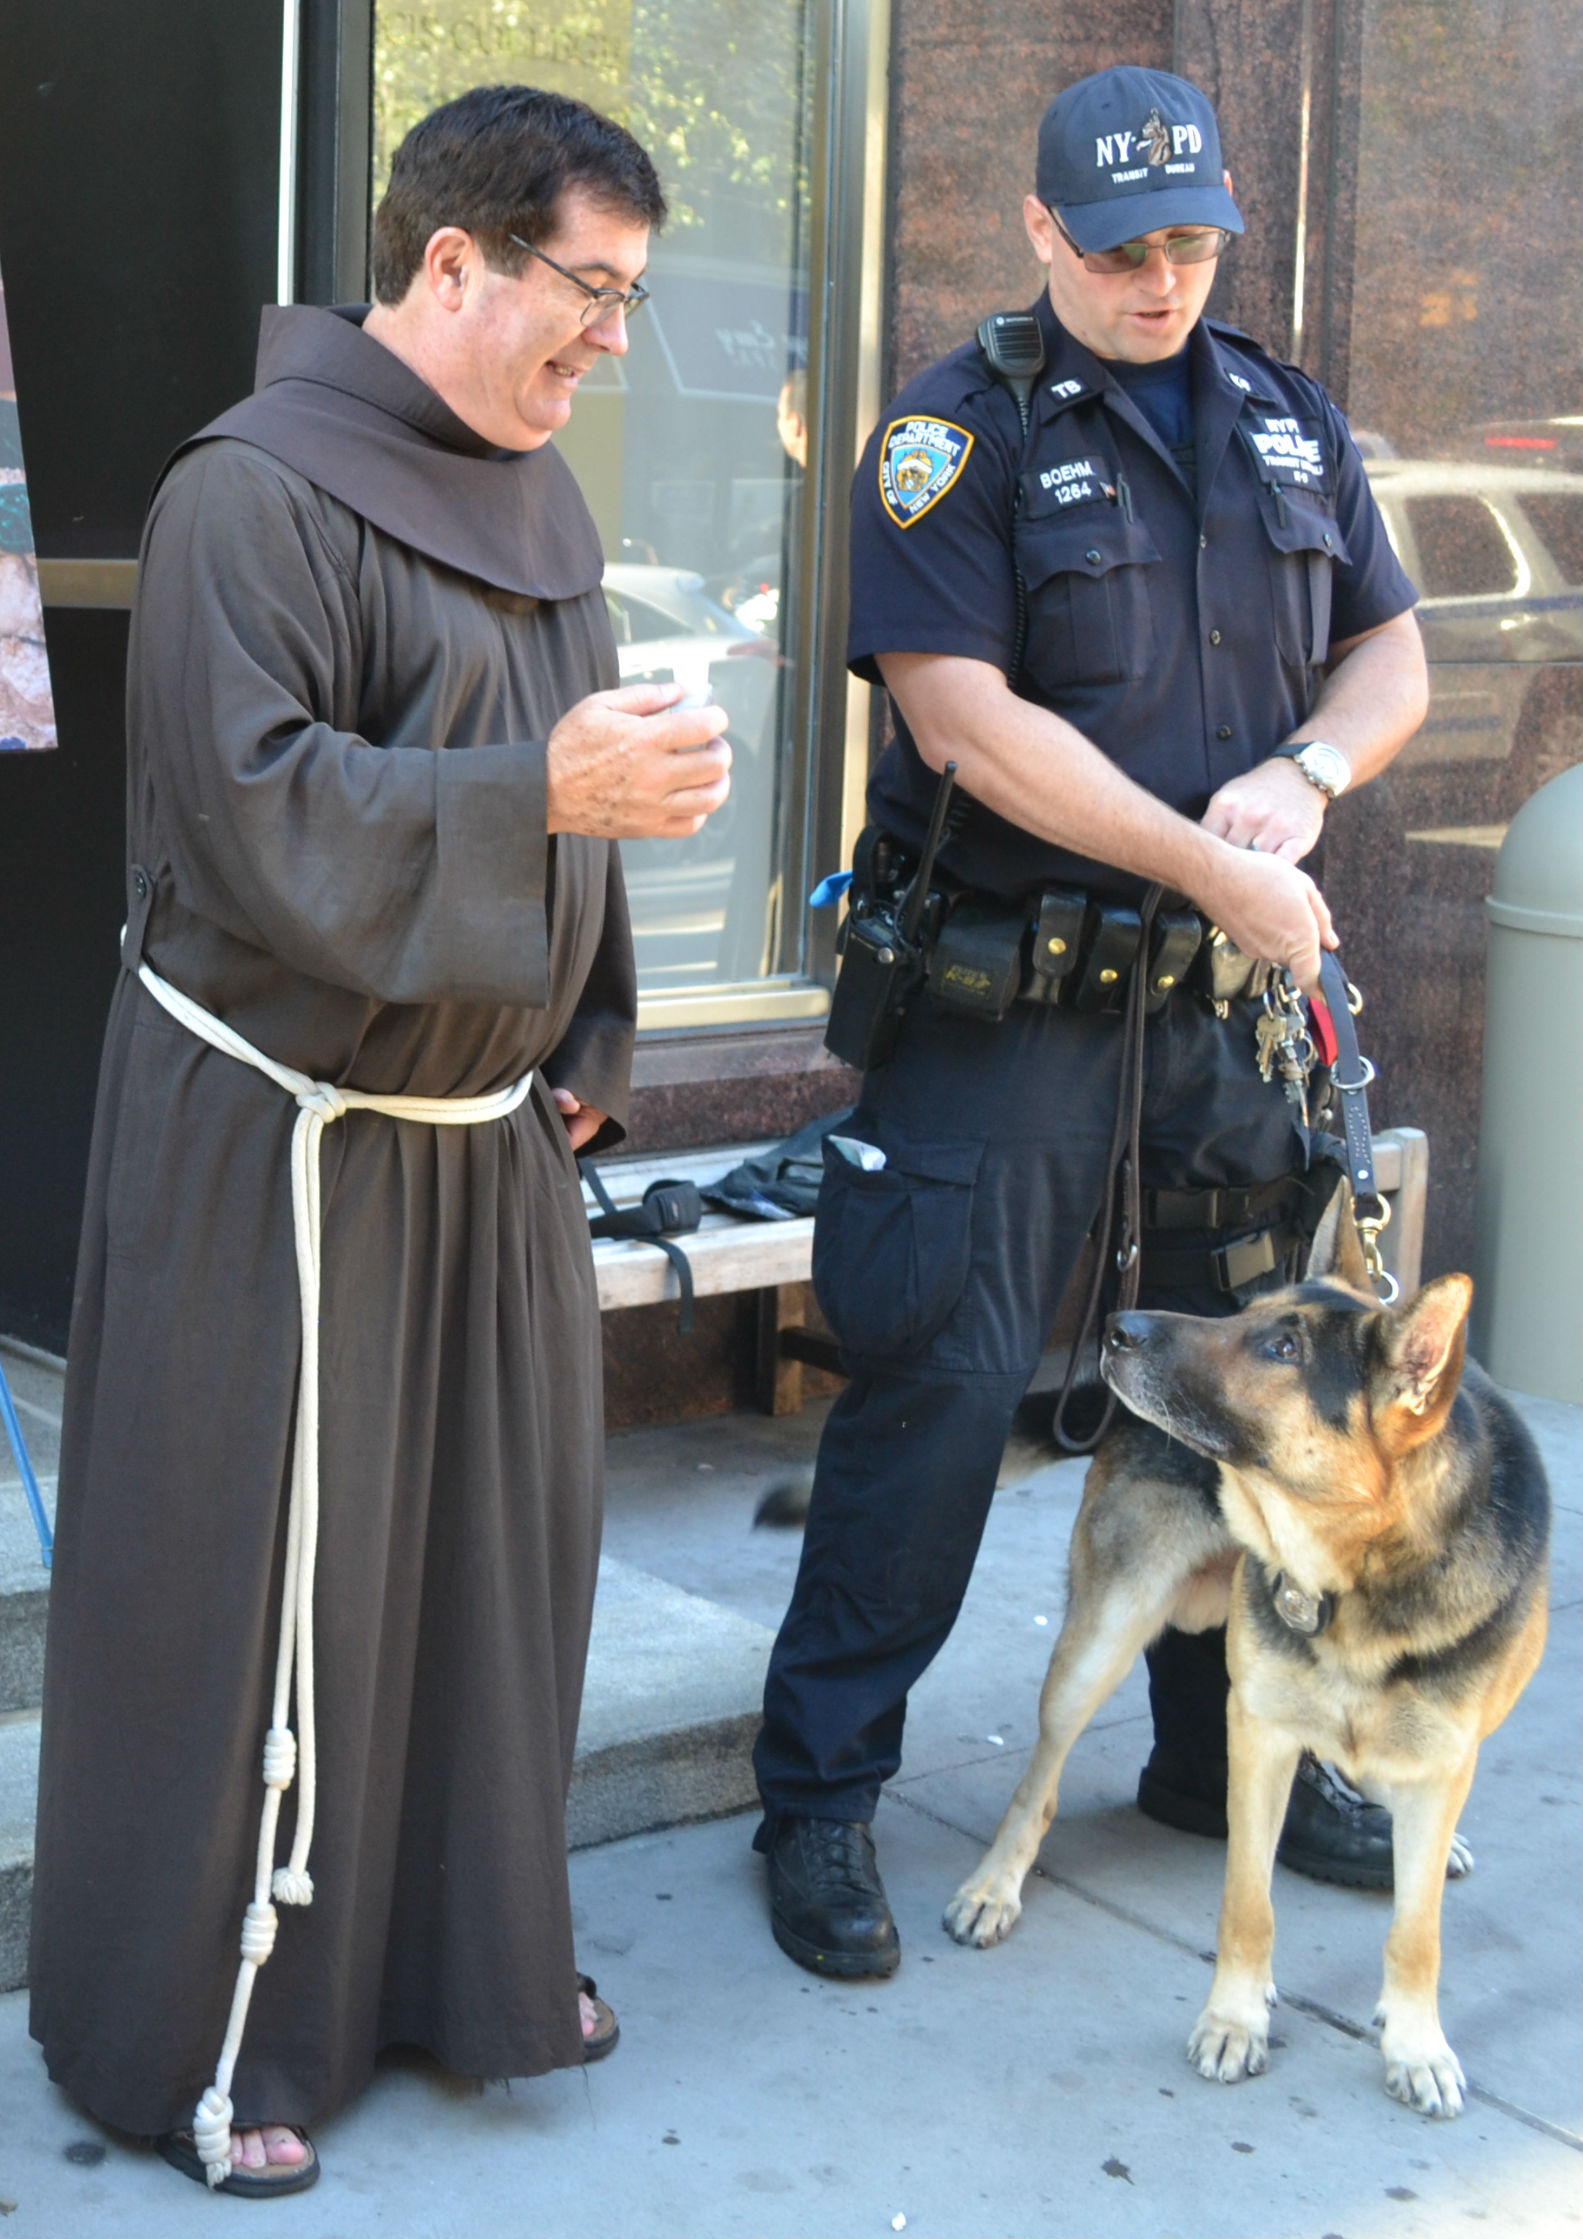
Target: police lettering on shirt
[
  {"x": 1290, "y": 451},
  {"x": 918, "y": 462}
]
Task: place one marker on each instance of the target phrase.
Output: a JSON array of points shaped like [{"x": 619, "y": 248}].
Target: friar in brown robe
[{"x": 359, "y": 622}]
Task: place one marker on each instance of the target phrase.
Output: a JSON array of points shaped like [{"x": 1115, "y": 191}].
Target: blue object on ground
[{"x": 35, "y": 1500}]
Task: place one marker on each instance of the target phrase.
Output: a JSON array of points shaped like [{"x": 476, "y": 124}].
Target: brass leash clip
[{"x": 1370, "y": 1227}]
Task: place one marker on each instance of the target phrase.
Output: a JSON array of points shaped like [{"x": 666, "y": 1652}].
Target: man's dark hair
[{"x": 496, "y": 161}]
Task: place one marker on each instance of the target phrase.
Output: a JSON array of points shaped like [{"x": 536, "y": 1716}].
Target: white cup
[{"x": 691, "y": 671}]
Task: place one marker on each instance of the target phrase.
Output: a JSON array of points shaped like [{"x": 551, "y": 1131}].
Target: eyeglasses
[
  {"x": 601, "y": 301},
  {"x": 1196, "y": 247}
]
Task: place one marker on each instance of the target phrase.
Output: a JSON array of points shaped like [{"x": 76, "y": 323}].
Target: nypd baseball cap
[{"x": 1128, "y": 151}]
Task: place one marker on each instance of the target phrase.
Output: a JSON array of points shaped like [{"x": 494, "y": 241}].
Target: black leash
[
  {"x": 669, "y": 1208},
  {"x": 1121, "y": 1208},
  {"x": 1350, "y": 1076}
]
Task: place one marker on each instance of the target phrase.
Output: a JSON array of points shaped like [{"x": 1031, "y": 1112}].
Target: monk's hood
[{"x": 358, "y": 423}]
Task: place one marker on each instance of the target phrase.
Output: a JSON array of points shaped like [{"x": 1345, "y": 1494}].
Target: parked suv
[{"x": 1496, "y": 551}]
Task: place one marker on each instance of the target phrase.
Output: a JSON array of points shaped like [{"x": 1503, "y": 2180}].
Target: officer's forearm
[
  {"x": 1374, "y": 698},
  {"x": 1039, "y": 771}
]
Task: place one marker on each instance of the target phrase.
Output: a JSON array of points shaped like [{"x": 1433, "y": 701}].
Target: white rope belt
[{"x": 321, "y": 1103}]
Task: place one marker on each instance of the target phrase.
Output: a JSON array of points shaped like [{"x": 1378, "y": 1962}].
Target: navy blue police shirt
[{"x": 1180, "y": 622}]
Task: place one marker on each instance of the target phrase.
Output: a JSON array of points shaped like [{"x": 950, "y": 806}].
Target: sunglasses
[
  {"x": 1196, "y": 247},
  {"x": 601, "y": 301}
]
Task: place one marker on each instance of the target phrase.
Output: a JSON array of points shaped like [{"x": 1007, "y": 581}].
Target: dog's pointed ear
[
  {"x": 1423, "y": 1346},
  {"x": 1336, "y": 1254}
]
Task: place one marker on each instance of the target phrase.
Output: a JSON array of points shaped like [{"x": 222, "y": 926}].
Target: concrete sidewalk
[{"x": 1036, "y": 2090}]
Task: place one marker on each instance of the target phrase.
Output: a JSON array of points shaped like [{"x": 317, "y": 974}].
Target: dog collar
[{"x": 1300, "y": 1612}]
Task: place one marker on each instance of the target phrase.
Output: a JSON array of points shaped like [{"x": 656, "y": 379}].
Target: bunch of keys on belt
[{"x": 1282, "y": 1041}]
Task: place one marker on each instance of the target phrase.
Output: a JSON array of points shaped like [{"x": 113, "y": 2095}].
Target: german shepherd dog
[{"x": 1360, "y": 1506}]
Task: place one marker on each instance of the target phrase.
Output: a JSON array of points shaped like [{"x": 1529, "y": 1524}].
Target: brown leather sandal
[
  {"x": 272, "y": 2182},
  {"x": 607, "y": 2033}
]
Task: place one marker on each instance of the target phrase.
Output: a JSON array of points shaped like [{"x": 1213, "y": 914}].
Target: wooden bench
[{"x": 775, "y": 1258}]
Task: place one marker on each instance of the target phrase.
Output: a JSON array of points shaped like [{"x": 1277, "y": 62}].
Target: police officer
[{"x": 1217, "y": 639}]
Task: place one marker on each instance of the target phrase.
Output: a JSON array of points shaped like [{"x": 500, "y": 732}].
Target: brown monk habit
[{"x": 356, "y": 626}]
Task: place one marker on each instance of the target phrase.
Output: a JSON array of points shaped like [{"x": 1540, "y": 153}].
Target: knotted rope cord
[{"x": 321, "y": 1104}]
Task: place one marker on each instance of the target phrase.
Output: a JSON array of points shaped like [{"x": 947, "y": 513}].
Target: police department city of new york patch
[{"x": 918, "y": 462}]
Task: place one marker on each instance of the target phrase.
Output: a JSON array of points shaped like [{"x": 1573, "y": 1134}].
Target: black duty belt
[
  {"x": 1210, "y": 1210},
  {"x": 1062, "y": 946}
]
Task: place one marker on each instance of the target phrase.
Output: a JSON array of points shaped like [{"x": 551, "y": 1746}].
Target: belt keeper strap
[
  {"x": 1177, "y": 937},
  {"x": 1112, "y": 952},
  {"x": 1057, "y": 938}
]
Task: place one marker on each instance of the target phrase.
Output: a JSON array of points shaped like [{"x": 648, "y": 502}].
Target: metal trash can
[{"x": 1528, "y": 1212}]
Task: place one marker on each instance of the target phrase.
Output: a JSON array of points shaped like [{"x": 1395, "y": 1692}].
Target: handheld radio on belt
[{"x": 882, "y": 961}]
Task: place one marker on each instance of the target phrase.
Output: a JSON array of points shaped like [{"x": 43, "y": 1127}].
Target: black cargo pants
[{"x": 941, "y": 1275}]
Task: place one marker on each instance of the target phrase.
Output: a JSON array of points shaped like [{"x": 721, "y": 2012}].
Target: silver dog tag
[{"x": 1303, "y": 1612}]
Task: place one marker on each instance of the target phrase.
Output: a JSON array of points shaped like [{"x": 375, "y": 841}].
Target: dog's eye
[{"x": 1286, "y": 1346}]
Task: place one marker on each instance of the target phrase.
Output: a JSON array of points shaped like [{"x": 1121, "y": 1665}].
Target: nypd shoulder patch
[{"x": 919, "y": 460}]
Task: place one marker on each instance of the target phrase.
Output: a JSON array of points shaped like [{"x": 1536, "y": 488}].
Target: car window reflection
[{"x": 1496, "y": 551}]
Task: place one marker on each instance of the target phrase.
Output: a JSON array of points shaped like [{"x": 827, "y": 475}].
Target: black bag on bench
[{"x": 669, "y": 1208}]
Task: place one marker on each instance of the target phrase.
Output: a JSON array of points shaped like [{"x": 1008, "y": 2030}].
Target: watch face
[{"x": 1326, "y": 765}]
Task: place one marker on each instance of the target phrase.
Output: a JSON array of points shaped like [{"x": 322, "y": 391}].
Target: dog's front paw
[
  {"x": 1459, "y": 1860},
  {"x": 983, "y": 1912},
  {"x": 1229, "y": 2042},
  {"x": 1421, "y": 2070}
]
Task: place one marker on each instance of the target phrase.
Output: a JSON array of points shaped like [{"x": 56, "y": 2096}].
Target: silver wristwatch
[{"x": 1324, "y": 765}]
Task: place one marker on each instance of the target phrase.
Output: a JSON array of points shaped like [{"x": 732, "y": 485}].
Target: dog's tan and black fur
[{"x": 1337, "y": 1461}]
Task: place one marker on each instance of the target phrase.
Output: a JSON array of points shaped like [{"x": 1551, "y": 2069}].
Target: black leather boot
[
  {"x": 1331, "y": 1832},
  {"x": 827, "y": 1902},
  {"x": 1334, "y": 1834}
]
